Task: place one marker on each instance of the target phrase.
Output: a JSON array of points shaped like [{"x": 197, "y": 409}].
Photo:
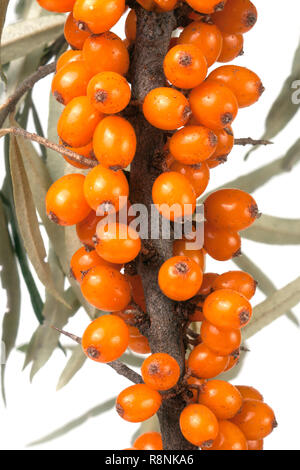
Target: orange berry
[
  {"x": 58, "y": 6},
  {"x": 185, "y": 66},
  {"x": 198, "y": 175},
  {"x": 222, "y": 342},
  {"x": 205, "y": 364},
  {"x": 82, "y": 261},
  {"x": 114, "y": 142},
  {"x": 160, "y": 371},
  {"x": 256, "y": 445},
  {"x": 137, "y": 288},
  {"x": 180, "y": 248},
  {"x": 166, "y": 5},
  {"x": 239, "y": 281},
  {"x": 207, "y": 285},
  {"x": 130, "y": 26},
  {"x": 180, "y": 278},
  {"x": 105, "y": 339},
  {"x": 224, "y": 146},
  {"x": 166, "y": 108},
  {"x": 138, "y": 403},
  {"x": 106, "y": 52},
  {"x": 68, "y": 57},
  {"x": 222, "y": 398},
  {"x": 86, "y": 151},
  {"x": 149, "y": 441},
  {"x": 65, "y": 201},
  {"x": 206, "y": 36},
  {"x": 75, "y": 36},
  {"x": 197, "y": 315},
  {"x": 233, "y": 361},
  {"x": 198, "y": 424},
  {"x": 193, "y": 144},
  {"x": 213, "y": 104},
  {"x": 256, "y": 420},
  {"x": 106, "y": 289},
  {"x": 117, "y": 243},
  {"x": 232, "y": 47},
  {"x": 70, "y": 82},
  {"x": 238, "y": 16},
  {"x": 86, "y": 229},
  {"x": 98, "y": 16},
  {"x": 249, "y": 393},
  {"x": 109, "y": 92},
  {"x": 139, "y": 344},
  {"x": 207, "y": 6},
  {"x": 221, "y": 244},
  {"x": 103, "y": 189},
  {"x": 230, "y": 437},
  {"x": 173, "y": 196},
  {"x": 78, "y": 122},
  {"x": 227, "y": 309}
]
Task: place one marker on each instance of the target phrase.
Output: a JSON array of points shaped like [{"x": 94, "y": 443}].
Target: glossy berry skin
[
  {"x": 138, "y": 403},
  {"x": 206, "y": 6},
  {"x": 103, "y": 189},
  {"x": 205, "y": 364},
  {"x": 198, "y": 175},
  {"x": 205, "y": 36},
  {"x": 185, "y": 66},
  {"x": 117, "y": 243},
  {"x": 207, "y": 284},
  {"x": 70, "y": 82},
  {"x": 85, "y": 151},
  {"x": 227, "y": 309},
  {"x": 225, "y": 144},
  {"x": 78, "y": 122},
  {"x": 106, "y": 52},
  {"x": 173, "y": 189},
  {"x": 114, "y": 142},
  {"x": 231, "y": 209},
  {"x": 244, "y": 83},
  {"x": 180, "y": 248},
  {"x": 86, "y": 229},
  {"x": 74, "y": 35},
  {"x": 256, "y": 445},
  {"x": 222, "y": 398},
  {"x": 82, "y": 261},
  {"x": 221, "y": 244},
  {"x": 222, "y": 342},
  {"x": 160, "y": 371},
  {"x": 166, "y": 108},
  {"x": 106, "y": 289},
  {"x": 58, "y": 6},
  {"x": 105, "y": 339},
  {"x": 130, "y": 26},
  {"x": 230, "y": 437},
  {"x": 198, "y": 424},
  {"x": 149, "y": 441},
  {"x": 98, "y": 16},
  {"x": 213, "y": 104},
  {"x": 65, "y": 201},
  {"x": 233, "y": 361},
  {"x": 239, "y": 281},
  {"x": 109, "y": 92},
  {"x": 139, "y": 344},
  {"x": 256, "y": 420},
  {"x": 249, "y": 393},
  {"x": 238, "y": 16},
  {"x": 232, "y": 47},
  {"x": 68, "y": 57},
  {"x": 193, "y": 144},
  {"x": 180, "y": 278}
]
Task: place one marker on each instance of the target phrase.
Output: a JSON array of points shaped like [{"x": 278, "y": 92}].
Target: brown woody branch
[{"x": 249, "y": 141}]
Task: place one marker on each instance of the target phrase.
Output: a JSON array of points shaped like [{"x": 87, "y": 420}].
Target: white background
[{"x": 272, "y": 366}]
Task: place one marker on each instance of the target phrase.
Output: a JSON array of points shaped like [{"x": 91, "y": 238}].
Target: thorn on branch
[
  {"x": 249, "y": 141},
  {"x": 69, "y": 335}
]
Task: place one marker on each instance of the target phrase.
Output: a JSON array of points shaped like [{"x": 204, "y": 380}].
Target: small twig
[
  {"x": 69, "y": 335},
  {"x": 249, "y": 141},
  {"x": 75, "y": 157}
]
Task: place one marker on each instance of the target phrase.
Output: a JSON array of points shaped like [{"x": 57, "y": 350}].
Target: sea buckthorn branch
[{"x": 249, "y": 141}]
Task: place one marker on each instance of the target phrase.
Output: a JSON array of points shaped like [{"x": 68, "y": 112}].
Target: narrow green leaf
[
  {"x": 93, "y": 413},
  {"x": 132, "y": 360},
  {"x": 3, "y": 9},
  {"x": 151, "y": 425},
  {"x": 274, "y": 231},
  {"x": 74, "y": 364}
]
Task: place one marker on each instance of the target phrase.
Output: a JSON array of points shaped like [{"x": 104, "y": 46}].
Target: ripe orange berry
[
  {"x": 221, "y": 244},
  {"x": 109, "y": 92},
  {"x": 222, "y": 342},
  {"x": 206, "y": 6},
  {"x": 206, "y": 36},
  {"x": 106, "y": 52},
  {"x": 244, "y": 83},
  {"x": 233, "y": 361},
  {"x": 58, "y": 6},
  {"x": 197, "y": 315},
  {"x": 105, "y": 339},
  {"x": 180, "y": 278},
  {"x": 256, "y": 420},
  {"x": 193, "y": 144},
  {"x": 232, "y": 47},
  {"x": 227, "y": 309},
  {"x": 75, "y": 36},
  {"x": 138, "y": 403},
  {"x": 249, "y": 393},
  {"x": 166, "y": 5},
  {"x": 166, "y": 108},
  {"x": 238, "y": 16},
  {"x": 173, "y": 196},
  {"x": 256, "y": 445},
  {"x": 230, "y": 437},
  {"x": 65, "y": 201},
  {"x": 71, "y": 81},
  {"x": 82, "y": 261},
  {"x": 213, "y": 104},
  {"x": 86, "y": 151},
  {"x": 98, "y": 16},
  {"x": 117, "y": 243},
  {"x": 103, "y": 189},
  {"x": 78, "y": 122},
  {"x": 160, "y": 371},
  {"x": 224, "y": 146},
  {"x": 205, "y": 364},
  {"x": 185, "y": 66},
  {"x": 207, "y": 284},
  {"x": 139, "y": 344},
  {"x": 180, "y": 248},
  {"x": 106, "y": 289},
  {"x": 198, "y": 424},
  {"x": 149, "y": 441},
  {"x": 68, "y": 57},
  {"x": 222, "y": 398},
  {"x": 237, "y": 280},
  {"x": 198, "y": 175},
  {"x": 86, "y": 229},
  {"x": 114, "y": 142},
  {"x": 231, "y": 209},
  {"x": 130, "y": 26}
]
